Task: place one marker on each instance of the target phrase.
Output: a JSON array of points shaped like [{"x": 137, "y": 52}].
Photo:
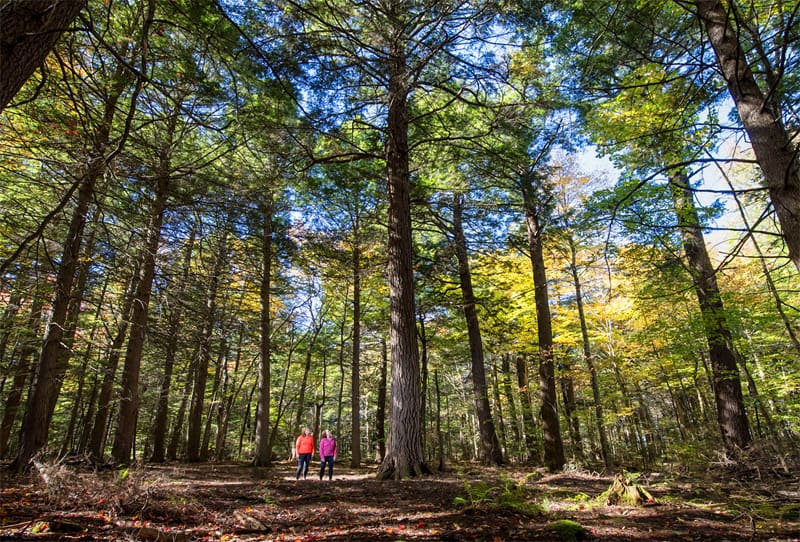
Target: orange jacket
[{"x": 304, "y": 444}]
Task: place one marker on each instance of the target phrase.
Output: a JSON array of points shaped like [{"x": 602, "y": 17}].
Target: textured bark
[
  {"x": 551, "y": 431},
  {"x": 30, "y": 30},
  {"x": 761, "y": 118},
  {"x": 731, "y": 414},
  {"x": 380, "y": 407},
  {"x": 404, "y": 455},
  {"x": 490, "y": 447},
  {"x": 263, "y": 452},
  {"x": 355, "y": 378}
]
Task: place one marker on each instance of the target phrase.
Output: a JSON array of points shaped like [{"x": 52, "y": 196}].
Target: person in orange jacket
[{"x": 304, "y": 448}]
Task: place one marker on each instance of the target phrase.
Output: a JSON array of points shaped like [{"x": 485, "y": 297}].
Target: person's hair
[
  {"x": 306, "y": 431},
  {"x": 328, "y": 433}
]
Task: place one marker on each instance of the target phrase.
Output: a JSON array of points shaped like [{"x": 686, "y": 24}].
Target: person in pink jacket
[{"x": 327, "y": 454}]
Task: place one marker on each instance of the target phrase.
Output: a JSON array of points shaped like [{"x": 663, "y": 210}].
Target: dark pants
[
  {"x": 326, "y": 461},
  {"x": 302, "y": 465}
]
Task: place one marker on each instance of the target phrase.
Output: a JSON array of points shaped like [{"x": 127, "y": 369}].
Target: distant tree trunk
[
  {"x": 209, "y": 320},
  {"x": 491, "y": 454},
  {"x": 439, "y": 435},
  {"x": 380, "y": 407},
  {"x": 30, "y": 341},
  {"x": 104, "y": 401},
  {"x": 573, "y": 424},
  {"x": 215, "y": 405},
  {"x": 36, "y": 423},
  {"x": 173, "y": 327},
  {"x": 605, "y": 451},
  {"x": 129, "y": 390},
  {"x": 31, "y": 29},
  {"x": 176, "y": 437},
  {"x": 513, "y": 417},
  {"x": 7, "y": 327},
  {"x": 553, "y": 445},
  {"x": 404, "y": 454},
  {"x": 423, "y": 347},
  {"x": 501, "y": 425},
  {"x": 263, "y": 452},
  {"x": 355, "y": 378},
  {"x": 731, "y": 414},
  {"x": 532, "y": 450},
  {"x": 761, "y": 118}
]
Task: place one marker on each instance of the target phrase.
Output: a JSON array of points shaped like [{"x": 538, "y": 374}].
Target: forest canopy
[{"x": 545, "y": 233}]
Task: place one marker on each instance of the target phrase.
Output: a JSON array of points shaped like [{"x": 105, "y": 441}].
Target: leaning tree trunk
[
  {"x": 263, "y": 452},
  {"x": 404, "y": 454},
  {"x": 36, "y": 423},
  {"x": 774, "y": 151},
  {"x": 731, "y": 414},
  {"x": 490, "y": 447},
  {"x": 31, "y": 29},
  {"x": 553, "y": 445}
]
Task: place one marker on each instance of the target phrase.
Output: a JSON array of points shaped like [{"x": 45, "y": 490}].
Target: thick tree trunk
[
  {"x": 731, "y": 414},
  {"x": 490, "y": 447},
  {"x": 263, "y": 452},
  {"x": 162, "y": 410},
  {"x": 761, "y": 118},
  {"x": 30, "y": 30},
  {"x": 551, "y": 431},
  {"x": 404, "y": 454}
]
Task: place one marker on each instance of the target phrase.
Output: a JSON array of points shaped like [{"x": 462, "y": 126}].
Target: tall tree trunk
[
  {"x": 355, "y": 378},
  {"x": 129, "y": 390},
  {"x": 204, "y": 352},
  {"x": 263, "y": 452},
  {"x": 30, "y": 341},
  {"x": 761, "y": 118},
  {"x": 404, "y": 455},
  {"x": 553, "y": 445},
  {"x": 731, "y": 414},
  {"x": 605, "y": 450},
  {"x": 31, "y": 29},
  {"x": 423, "y": 357},
  {"x": 513, "y": 417},
  {"x": 490, "y": 446},
  {"x": 176, "y": 437},
  {"x": 36, "y": 423},
  {"x": 162, "y": 410}
]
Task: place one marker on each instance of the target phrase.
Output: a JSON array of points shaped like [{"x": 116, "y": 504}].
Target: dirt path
[{"x": 240, "y": 503}]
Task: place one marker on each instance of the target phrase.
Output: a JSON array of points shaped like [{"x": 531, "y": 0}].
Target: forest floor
[{"x": 228, "y": 502}]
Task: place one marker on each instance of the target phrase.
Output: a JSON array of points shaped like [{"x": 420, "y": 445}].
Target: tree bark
[
  {"x": 761, "y": 118},
  {"x": 404, "y": 455},
  {"x": 355, "y": 378},
  {"x": 263, "y": 452},
  {"x": 129, "y": 390},
  {"x": 490, "y": 446},
  {"x": 553, "y": 445},
  {"x": 731, "y": 414},
  {"x": 380, "y": 407},
  {"x": 30, "y": 30}
]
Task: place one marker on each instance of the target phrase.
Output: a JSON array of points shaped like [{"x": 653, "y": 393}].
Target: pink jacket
[{"x": 327, "y": 447}]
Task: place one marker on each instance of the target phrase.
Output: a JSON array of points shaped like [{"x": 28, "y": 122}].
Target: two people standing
[{"x": 304, "y": 449}]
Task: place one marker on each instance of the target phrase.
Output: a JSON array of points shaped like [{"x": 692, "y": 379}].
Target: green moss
[{"x": 568, "y": 530}]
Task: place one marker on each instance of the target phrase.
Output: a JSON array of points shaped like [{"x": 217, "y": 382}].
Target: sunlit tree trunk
[
  {"x": 761, "y": 118},
  {"x": 404, "y": 454},
  {"x": 380, "y": 407},
  {"x": 731, "y": 414},
  {"x": 490, "y": 446}
]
